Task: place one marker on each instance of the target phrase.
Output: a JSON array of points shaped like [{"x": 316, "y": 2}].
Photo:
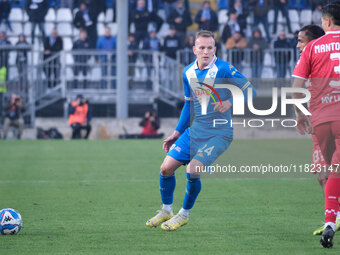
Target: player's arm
[
  {"x": 300, "y": 74},
  {"x": 240, "y": 81},
  {"x": 304, "y": 126},
  {"x": 184, "y": 119}
]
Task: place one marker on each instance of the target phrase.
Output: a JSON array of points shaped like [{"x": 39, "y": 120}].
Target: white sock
[
  {"x": 338, "y": 215},
  {"x": 332, "y": 224},
  {"x": 184, "y": 212},
  {"x": 167, "y": 207}
]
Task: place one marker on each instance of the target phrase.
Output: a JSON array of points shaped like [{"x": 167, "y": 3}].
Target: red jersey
[{"x": 320, "y": 63}]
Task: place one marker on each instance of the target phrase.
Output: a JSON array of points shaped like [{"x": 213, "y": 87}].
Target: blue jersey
[{"x": 201, "y": 101}]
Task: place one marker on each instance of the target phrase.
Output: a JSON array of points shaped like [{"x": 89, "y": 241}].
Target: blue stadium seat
[{"x": 223, "y": 4}]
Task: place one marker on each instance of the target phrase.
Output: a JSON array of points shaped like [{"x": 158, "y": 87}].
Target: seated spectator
[
  {"x": 172, "y": 43},
  {"x": 242, "y": 14},
  {"x": 206, "y": 18},
  {"x": 83, "y": 20},
  {"x": 21, "y": 60},
  {"x": 5, "y": 10},
  {"x": 237, "y": 43},
  {"x": 281, "y": 5},
  {"x": 36, "y": 11},
  {"x": 13, "y": 116},
  {"x": 257, "y": 44},
  {"x": 180, "y": 18},
  {"x": 53, "y": 44},
  {"x": 4, "y": 53},
  {"x": 282, "y": 56},
  {"x": 231, "y": 27},
  {"x": 107, "y": 43},
  {"x": 80, "y": 61},
  {"x": 150, "y": 123},
  {"x": 261, "y": 9},
  {"x": 79, "y": 117},
  {"x": 316, "y": 15}
]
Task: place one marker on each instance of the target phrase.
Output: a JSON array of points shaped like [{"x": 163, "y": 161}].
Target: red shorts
[
  {"x": 318, "y": 159},
  {"x": 328, "y": 136}
]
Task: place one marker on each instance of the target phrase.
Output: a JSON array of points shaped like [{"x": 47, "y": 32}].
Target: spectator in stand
[
  {"x": 5, "y": 10},
  {"x": 206, "y": 18},
  {"x": 82, "y": 20},
  {"x": 237, "y": 43},
  {"x": 242, "y": 14},
  {"x": 257, "y": 44},
  {"x": 79, "y": 117},
  {"x": 282, "y": 56},
  {"x": 132, "y": 54},
  {"x": 107, "y": 43},
  {"x": 21, "y": 60},
  {"x": 80, "y": 61},
  {"x": 281, "y": 5},
  {"x": 168, "y": 6},
  {"x": 95, "y": 7},
  {"x": 189, "y": 55},
  {"x": 53, "y": 44},
  {"x": 316, "y": 15},
  {"x": 150, "y": 123},
  {"x": 151, "y": 43},
  {"x": 293, "y": 42},
  {"x": 261, "y": 9},
  {"x": 141, "y": 18},
  {"x": 172, "y": 43},
  {"x": 180, "y": 18},
  {"x": 36, "y": 11},
  {"x": 231, "y": 27},
  {"x": 13, "y": 116},
  {"x": 152, "y": 8},
  {"x": 4, "y": 53}
]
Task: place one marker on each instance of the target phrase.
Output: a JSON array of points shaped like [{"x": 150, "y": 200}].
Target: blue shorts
[{"x": 204, "y": 150}]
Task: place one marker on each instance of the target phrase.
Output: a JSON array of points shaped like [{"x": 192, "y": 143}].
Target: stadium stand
[{"x": 60, "y": 15}]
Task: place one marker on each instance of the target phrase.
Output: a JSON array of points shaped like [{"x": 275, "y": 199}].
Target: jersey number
[
  {"x": 335, "y": 56},
  {"x": 207, "y": 150}
]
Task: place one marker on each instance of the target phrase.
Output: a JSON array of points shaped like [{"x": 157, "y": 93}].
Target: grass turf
[{"x": 93, "y": 197}]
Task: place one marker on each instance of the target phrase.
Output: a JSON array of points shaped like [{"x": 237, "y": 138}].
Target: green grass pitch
[{"x": 93, "y": 197}]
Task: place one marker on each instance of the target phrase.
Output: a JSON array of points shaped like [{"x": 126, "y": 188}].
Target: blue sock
[
  {"x": 193, "y": 189},
  {"x": 167, "y": 186}
]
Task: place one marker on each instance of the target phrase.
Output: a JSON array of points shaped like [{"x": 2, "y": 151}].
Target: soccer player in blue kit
[{"x": 201, "y": 144}]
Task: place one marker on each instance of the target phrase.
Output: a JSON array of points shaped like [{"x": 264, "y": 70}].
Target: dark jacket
[
  {"x": 5, "y": 9},
  {"x": 81, "y": 45},
  {"x": 258, "y": 55},
  {"x": 79, "y": 21},
  {"x": 282, "y": 56},
  {"x": 141, "y": 20},
  {"x": 4, "y": 53},
  {"x": 186, "y": 20},
  {"x": 36, "y": 11},
  {"x": 261, "y": 10},
  {"x": 211, "y": 25},
  {"x": 22, "y": 53},
  {"x": 55, "y": 48},
  {"x": 171, "y": 46}
]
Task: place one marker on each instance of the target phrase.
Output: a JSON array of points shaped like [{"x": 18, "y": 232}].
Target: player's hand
[
  {"x": 304, "y": 126},
  {"x": 168, "y": 142},
  {"x": 222, "y": 108}
]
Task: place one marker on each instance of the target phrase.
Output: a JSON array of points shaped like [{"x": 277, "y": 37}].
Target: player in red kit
[{"x": 320, "y": 64}]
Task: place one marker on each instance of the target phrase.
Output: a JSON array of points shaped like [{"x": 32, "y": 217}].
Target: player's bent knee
[
  {"x": 166, "y": 169},
  {"x": 195, "y": 167}
]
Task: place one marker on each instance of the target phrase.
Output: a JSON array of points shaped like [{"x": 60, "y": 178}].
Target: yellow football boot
[{"x": 160, "y": 217}]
